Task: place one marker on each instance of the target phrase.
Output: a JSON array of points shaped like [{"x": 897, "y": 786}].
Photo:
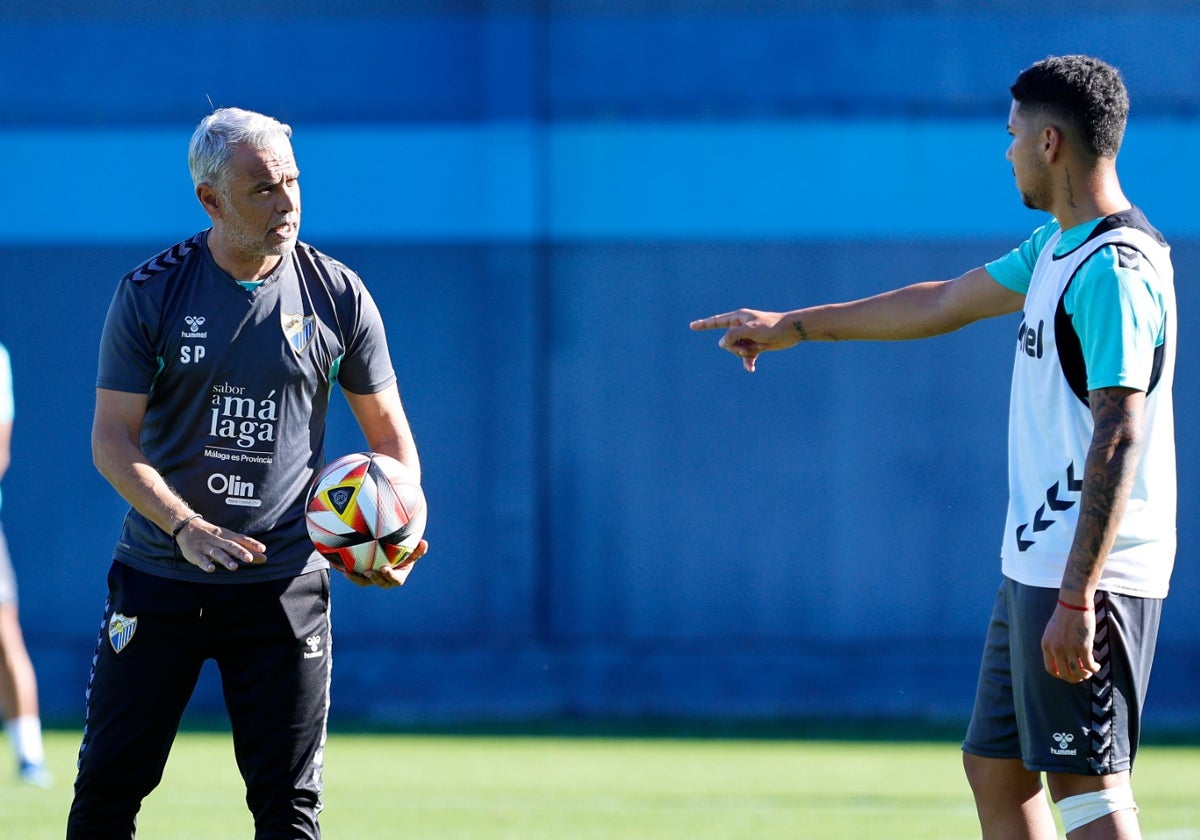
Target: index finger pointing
[{"x": 717, "y": 322}]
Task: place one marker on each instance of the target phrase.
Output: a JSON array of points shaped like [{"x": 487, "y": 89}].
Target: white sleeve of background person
[{"x": 6, "y": 392}]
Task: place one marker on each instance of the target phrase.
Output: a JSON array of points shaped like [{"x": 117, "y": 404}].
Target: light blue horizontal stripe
[
  {"x": 513, "y": 182},
  {"x": 471, "y": 183},
  {"x": 818, "y": 179},
  {"x": 357, "y": 184},
  {"x": 827, "y": 179}
]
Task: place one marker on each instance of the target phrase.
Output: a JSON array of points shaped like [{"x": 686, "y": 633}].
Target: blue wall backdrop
[{"x": 541, "y": 196}]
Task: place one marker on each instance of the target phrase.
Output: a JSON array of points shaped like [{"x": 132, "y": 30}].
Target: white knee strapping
[{"x": 1089, "y": 807}]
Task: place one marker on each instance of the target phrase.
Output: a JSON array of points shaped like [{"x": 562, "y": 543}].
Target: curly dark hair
[{"x": 1082, "y": 91}]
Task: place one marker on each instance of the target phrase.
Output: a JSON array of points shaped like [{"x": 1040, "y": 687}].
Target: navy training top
[{"x": 238, "y": 386}]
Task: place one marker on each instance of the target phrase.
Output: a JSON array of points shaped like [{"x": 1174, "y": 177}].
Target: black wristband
[{"x": 183, "y": 524}]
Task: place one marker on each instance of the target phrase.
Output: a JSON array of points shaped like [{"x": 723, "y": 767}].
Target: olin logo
[{"x": 234, "y": 489}]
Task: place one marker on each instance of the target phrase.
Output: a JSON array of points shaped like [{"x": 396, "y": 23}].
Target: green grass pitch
[{"x": 562, "y": 788}]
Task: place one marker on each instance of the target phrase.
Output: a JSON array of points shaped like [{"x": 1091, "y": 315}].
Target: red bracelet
[{"x": 1084, "y": 608}]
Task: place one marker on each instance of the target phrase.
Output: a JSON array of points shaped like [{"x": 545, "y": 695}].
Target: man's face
[
  {"x": 261, "y": 202},
  {"x": 1026, "y": 154}
]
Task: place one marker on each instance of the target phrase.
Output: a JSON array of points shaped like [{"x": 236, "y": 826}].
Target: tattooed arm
[
  {"x": 917, "y": 311},
  {"x": 1112, "y": 461}
]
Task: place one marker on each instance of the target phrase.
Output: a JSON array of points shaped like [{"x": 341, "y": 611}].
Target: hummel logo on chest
[
  {"x": 1029, "y": 340},
  {"x": 194, "y": 323}
]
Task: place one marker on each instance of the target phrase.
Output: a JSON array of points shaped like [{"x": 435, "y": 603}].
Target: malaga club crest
[
  {"x": 298, "y": 329},
  {"x": 120, "y": 630}
]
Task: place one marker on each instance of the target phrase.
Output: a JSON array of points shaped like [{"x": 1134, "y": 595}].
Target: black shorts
[
  {"x": 1022, "y": 711},
  {"x": 270, "y": 641}
]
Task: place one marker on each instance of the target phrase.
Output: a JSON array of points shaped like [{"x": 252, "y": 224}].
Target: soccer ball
[{"x": 365, "y": 511}]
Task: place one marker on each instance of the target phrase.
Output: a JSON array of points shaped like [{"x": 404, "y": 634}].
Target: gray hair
[{"x": 220, "y": 133}]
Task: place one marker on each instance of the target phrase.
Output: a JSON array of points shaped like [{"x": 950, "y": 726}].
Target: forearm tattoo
[
  {"x": 1111, "y": 464},
  {"x": 799, "y": 325}
]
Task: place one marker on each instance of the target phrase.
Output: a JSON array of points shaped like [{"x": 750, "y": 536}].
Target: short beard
[
  {"x": 1037, "y": 197},
  {"x": 252, "y": 243}
]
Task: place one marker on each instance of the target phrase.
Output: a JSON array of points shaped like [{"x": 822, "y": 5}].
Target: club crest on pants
[{"x": 120, "y": 630}]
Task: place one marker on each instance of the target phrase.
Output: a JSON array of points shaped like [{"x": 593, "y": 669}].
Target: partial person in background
[
  {"x": 18, "y": 683},
  {"x": 1089, "y": 543}
]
